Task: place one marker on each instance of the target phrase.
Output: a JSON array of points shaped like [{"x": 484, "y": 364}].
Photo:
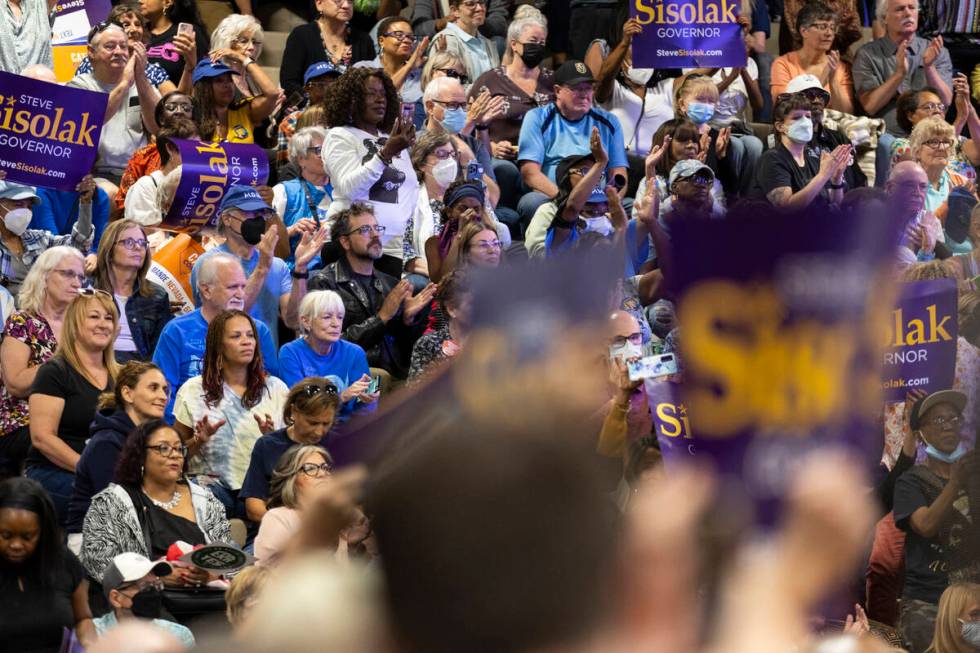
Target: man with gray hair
[
  {"x": 180, "y": 351},
  {"x": 132, "y": 100}
]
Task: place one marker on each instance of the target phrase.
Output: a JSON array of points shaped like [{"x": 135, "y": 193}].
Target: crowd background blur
[{"x": 422, "y": 387}]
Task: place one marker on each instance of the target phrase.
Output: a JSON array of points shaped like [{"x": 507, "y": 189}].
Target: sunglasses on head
[{"x": 314, "y": 389}]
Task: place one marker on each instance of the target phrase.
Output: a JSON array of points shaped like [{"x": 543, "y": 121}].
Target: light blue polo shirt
[
  {"x": 277, "y": 283},
  {"x": 476, "y": 52},
  {"x": 547, "y": 137}
]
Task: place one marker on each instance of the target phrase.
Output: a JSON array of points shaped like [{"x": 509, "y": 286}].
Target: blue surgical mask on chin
[
  {"x": 700, "y": 112},
  {"x": 453, "y": 120},
  {"x": 950, "y": 458}
]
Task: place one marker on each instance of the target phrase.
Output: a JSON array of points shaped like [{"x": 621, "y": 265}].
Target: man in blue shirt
[
  {"x": 221, "y": 286},
  {"x": 269, "y": 293},
  {"x": 552, "y": 132}
]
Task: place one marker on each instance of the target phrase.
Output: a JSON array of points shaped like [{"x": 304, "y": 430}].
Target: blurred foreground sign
[{"x": 781, "y": 335}]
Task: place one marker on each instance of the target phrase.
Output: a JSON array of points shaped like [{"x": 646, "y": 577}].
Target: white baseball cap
[{"x": 130, "y": 567}]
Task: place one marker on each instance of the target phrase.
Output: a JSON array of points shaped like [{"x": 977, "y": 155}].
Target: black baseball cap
[{"x": 573, "y": 72}]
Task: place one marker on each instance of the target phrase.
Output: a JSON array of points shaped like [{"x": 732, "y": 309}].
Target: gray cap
[
  {"x": 12, "y": 191},
  {"x": 687, "y": 168}
]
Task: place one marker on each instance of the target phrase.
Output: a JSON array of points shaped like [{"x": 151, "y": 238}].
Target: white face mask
[
  {"x": 639, "y": 76},
  {"x": 444, "y": 172},
  {"x": 599, "y": 224},
  {"x": 16, "y": 220}
]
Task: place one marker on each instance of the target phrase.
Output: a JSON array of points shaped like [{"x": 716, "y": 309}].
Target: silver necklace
[{"x": 166, "y": 505}]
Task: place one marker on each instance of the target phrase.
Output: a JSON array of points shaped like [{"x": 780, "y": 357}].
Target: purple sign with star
[
  {"x": 49, "y": 134},
  {"x": 671, "y": 423}
]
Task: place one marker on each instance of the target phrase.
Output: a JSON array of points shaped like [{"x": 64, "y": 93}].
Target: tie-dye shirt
[{"x": 228, "y": 452}]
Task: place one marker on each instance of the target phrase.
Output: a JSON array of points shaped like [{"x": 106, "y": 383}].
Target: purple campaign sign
[
  {"x": 49, "y": 134},
  {"x": 671, "y": 423},
  {"x": 920, "y": 351},
  {"x": 688, "y": 34},
  {"x": 207, "y": 169},
  {"x": 781, "y": 322}
]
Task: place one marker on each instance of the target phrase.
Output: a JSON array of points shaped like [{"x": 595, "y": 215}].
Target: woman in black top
[
  {"x": 42, "y": 585},
  {"x": 328, "y": 38},
  {"x": 66, "y": 392},
  {"x": 165, "y": 47}
]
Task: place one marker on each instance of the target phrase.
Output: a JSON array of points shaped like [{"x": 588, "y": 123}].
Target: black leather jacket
[{"x": 388, "y": 346}]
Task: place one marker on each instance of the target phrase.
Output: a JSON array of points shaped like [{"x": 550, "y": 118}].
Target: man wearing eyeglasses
[
  {"x": 932, "y": 507},
  {"x": 119, "y": 70},
  {"x": 381, "y": 315},
  {"x": 553, "y": 132},
  {"x": 133, "y": 587},
  {"x": 462, "y": 37}
]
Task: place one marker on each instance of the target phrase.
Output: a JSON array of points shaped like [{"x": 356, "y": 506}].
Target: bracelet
[
  {"x": 383, "y": 160},
  {"x": 305, "y": 274},
  {"x": 481, "y": 128}
]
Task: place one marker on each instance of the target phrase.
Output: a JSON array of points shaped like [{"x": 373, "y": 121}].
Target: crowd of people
[{"x": 414, "y": 147}]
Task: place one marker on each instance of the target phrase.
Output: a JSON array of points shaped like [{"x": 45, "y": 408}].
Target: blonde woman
[
  {"x": 66, "y": 392},
  {"x": 443, "y": 64},
  {"x": 958, "y": 620}
]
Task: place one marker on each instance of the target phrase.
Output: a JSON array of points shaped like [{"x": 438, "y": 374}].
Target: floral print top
[{"x": 35, "y": 332}]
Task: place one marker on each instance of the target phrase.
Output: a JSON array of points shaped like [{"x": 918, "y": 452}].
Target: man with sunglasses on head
[
  {"x": 824, "y": 138},
  {"x": 381, "y": 314}
]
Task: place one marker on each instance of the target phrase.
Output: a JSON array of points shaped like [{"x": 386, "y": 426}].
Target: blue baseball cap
[
  {"x": 319, "y": 69},
  {"x": 11, "y": 191},
  {"x": 205, "y": 68},
  {"x": 242, "y": 197}
]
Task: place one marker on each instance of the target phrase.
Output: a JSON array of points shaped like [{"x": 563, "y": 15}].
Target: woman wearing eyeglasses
[
  {"x": 817, "y": 27},
  {"x": 151, "y": 505},
  {"x": 242, "y": 34},
  {"x": 932, "y": 145},
  {"x": 310, "y": 412},
  {"x": 401, "y": 56},
  {"x": 301, "y": 470},
  {"x": 30, "y": 338},
  {"x": 912, "y": 107},
  {"x": 141, "y": 395},
  {"x": 66, "y": 391},
  {"x": 221, "y": 413},
  {"x": 454, "y": 300},
  {"x": 366, "y": 156},
  {"x": 144, "y": 307},
  {"x": 463, "y": 204},
  {"x": 303, "y": 201},
  {"x": 460, "y": 35},
  {"x": 328, "y": 38},
  {"x": 479, "y": 247},
  {"x": 435, "y": 158}
]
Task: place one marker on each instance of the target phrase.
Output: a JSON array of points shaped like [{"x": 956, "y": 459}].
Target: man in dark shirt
[
  {"x": 931, "y": 506},
  {"x": 381, "y": 314}
]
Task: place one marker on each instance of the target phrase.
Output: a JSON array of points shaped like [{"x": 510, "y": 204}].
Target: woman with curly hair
[
  {"x": 366, "y": 155},
  {"x": 231, "y": 404},
  {"x": 328, "y": 38}
]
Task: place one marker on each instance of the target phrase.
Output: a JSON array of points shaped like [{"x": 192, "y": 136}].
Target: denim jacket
[{"x": 146, "y": 317}]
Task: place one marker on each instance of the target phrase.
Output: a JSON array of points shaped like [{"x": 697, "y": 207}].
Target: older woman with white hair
[
  {"x": 932, "y": 144},
  {"x": 321, "y": 352},
  {"x": 30, "y": 339},
  {"x": 303, "y": 202},
  {"x": 242, "y": 34}
]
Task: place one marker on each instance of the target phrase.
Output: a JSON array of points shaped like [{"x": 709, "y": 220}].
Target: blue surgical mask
[
  {"x": 453, "y": 120},
  {"x": 971, "y": 633},
  {"x": 800, "y": 131},
  {"x": 700, "y": 112},
  {"x": 950, "y": 458}
]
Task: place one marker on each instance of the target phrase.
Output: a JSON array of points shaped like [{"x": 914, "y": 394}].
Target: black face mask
[
  {"x": 533, "y": 54},
  {"x": 148, "y": 604},
  {"x": 252, "y": 230}
]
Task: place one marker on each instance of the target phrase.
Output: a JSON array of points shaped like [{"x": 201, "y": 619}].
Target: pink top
[{"x": 276, "y": 529}]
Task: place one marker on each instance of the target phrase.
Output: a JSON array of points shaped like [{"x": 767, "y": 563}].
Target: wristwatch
[
  {"x": 305, "y": 274},
  {"x": 248, "y": 62}
]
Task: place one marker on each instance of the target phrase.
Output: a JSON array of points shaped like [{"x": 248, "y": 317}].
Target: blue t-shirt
[
  {"x": 547, "y": 137},
  {"x": 58, "y": 212},
  {"x": 277, "y": 283},
  {"x": 265, "y": 455},
  {"x": 345, "y": 364},
  {"x": 180, "y": 351}
]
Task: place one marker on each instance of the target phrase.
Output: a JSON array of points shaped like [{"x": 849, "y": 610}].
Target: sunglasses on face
[
  {"x": 455, "y": 74},
  {"x": 701, "y": 179}
]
